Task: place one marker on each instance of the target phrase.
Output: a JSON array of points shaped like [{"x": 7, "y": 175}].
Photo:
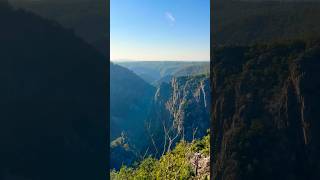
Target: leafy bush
[{"x": 174, "y": 164}]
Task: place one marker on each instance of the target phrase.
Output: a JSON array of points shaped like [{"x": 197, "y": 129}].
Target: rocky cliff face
[
  {"x": 265, "y": 117},
  {"x": 181, "y": 107},
  {"x": 189, "y": 105},
  {"x": 200, "y": 165}
]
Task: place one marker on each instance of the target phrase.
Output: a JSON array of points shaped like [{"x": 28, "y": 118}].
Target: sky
[{"x": 160, "y": 30}]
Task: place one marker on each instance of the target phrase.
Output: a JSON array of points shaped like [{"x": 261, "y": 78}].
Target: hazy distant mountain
[{"x": 163, "y": 71}]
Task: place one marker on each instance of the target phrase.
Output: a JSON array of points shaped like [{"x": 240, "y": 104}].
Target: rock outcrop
[
  {"x": 183, "y": 106},
  {"x": 201, "y": 166}
]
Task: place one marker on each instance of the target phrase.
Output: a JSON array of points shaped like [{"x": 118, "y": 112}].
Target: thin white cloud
[{"x": 170, "y": 17}]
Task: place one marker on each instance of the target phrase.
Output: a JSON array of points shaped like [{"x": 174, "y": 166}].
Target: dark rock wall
[{"x": 264, "y": 114}]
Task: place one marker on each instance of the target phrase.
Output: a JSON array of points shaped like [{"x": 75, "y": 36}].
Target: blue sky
[{"x": 160, "y": 30}]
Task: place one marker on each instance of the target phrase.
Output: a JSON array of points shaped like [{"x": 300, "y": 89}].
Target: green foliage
[
  {"x": 202, "y": 145},
  {"x": 173, "y": 165},
  {"x": 147, "y": 166},
  {"x": 124, "y": 174}
]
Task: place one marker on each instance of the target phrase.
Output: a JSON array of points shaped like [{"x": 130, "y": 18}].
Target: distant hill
[
  {"x": 53, "y": 110},
  {"x": 162, "y": 71}
]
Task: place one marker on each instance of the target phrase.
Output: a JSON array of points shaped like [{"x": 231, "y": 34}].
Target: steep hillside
[
  {"x": 130, "y": 99},
  {"x": 130, "y": 103},
  {"x": 53, "y": 110},
  {"x": 265, "y": 111}
]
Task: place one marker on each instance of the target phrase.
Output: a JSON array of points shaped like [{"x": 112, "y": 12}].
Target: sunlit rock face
[{"x": 182, "y": 105}]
